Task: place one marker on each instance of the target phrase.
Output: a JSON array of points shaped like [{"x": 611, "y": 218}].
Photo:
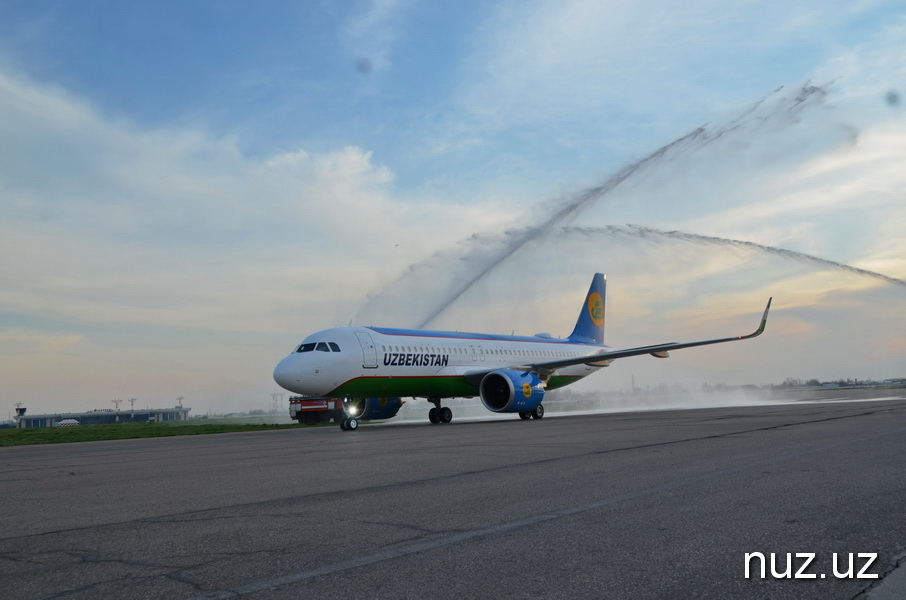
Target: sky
[{"x": 189, "y": 189}]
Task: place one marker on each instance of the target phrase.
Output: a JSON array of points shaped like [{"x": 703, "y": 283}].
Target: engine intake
[{"x": 507, "y": 391}]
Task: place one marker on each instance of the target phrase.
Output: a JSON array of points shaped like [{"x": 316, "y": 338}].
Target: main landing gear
[
  {"x": 538, "y": 413},
  {"x": 439, "y": 414},
  {"x": 349, "y": 423}
]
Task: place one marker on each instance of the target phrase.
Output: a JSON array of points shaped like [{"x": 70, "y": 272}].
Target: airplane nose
[{"x": 286, "y": 373}]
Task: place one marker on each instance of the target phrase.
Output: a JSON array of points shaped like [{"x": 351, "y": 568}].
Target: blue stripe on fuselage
[{"x": 487, "y": 337}]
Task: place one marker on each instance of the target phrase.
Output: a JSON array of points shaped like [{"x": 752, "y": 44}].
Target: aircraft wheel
[
  {"x": 525, "y": 416},
  {"x": 434, "y": 415},
  {"x": 538, "y": 413},
  {"x": 343, "y": 424},
  {"x": 446, "y": 415},
  {"x": 352, "y": 424}
]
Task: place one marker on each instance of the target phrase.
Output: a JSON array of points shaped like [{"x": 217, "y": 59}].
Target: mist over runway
[{"x": 660, "y": 504}]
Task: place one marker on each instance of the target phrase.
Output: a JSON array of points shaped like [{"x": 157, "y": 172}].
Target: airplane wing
[
  {"x": 658, "y": 350},
  {"x": 604, "y": 357}
]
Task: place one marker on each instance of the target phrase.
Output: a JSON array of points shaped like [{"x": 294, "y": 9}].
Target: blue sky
[{"x": 187, "y": 188}]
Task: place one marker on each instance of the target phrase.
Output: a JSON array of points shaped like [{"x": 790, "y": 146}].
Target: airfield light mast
[{"x": 275, "y": 407}]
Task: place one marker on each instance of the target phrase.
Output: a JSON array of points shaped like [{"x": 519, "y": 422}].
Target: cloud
[
  {"x": 105, "y": 221},
  {"x": 21, "y": 340},
  {"x": 117, "y": 233},
  {"x": 810, "y": 206}
]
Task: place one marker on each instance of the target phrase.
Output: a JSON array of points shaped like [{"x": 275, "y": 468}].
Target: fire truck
[
  {"x": 316, "y": 410},
  {"x": 347, "y": 412}
]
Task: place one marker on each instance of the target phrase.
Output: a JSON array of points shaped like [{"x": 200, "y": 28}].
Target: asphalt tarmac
[{"x": 631, "y": 505}]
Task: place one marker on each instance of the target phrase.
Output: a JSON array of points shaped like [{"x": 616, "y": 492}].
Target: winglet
[{"x": 764, "y": 322}]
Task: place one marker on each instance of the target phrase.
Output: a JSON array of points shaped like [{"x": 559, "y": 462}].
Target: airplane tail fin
[{"x": 590, "y": 326}]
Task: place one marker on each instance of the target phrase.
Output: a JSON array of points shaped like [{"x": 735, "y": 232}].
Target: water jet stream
[
  {"x": 481, "y": 254},
  {"x": 693, "y": 141},
  {"x": 639, "y": 231}
]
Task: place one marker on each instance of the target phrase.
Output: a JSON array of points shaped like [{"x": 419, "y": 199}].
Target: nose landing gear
[
  {"x": 349, "y": 424},
  {"x": 351, "y": 408}
]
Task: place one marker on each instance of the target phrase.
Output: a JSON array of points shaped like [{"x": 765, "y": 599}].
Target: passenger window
[
  {"x": 306, "y": 348},
  {"x": 334, "y": 347},
  {"x": 322, "y": 347}
]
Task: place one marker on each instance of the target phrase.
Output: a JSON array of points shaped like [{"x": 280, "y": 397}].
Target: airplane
[{"x": 370, "y": 368}]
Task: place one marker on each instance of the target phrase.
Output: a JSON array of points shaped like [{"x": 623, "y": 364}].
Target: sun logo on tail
[{"x": 596, "y": 308}]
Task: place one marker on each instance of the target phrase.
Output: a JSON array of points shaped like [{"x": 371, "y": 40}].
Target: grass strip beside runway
[{"x": 93, "y": 433}]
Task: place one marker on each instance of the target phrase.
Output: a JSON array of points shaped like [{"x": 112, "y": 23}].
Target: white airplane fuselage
[{"x": 376, "y": 361}]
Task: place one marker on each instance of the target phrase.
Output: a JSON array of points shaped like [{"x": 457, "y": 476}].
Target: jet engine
[
  {"x": 510, "y": 391},
  {"x": 373, "y": 409}
]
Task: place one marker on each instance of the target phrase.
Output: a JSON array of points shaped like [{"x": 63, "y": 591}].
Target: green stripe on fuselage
[{"x": 454, "y": 386}]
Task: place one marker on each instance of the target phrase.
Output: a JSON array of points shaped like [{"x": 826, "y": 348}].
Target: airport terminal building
[{"x": 105, "y": 417}]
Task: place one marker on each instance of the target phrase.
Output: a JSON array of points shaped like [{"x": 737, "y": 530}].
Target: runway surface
[{"x": 631, "y": 505}]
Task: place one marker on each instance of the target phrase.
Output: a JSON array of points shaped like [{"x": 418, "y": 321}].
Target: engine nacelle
[
  {"x": 511, "y": 391},
  {"x": 373, "y": 409}
]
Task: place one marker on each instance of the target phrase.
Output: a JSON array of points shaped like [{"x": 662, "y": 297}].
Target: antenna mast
[{"x": 117, "y": 403}]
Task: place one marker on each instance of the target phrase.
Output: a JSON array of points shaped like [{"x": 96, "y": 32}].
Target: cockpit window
[{"x": 319, "y": 347}]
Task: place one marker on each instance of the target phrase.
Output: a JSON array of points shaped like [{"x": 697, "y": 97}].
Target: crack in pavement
[
  {"x": 173, "y": 572},
  {"x": 874, "y": 588}
]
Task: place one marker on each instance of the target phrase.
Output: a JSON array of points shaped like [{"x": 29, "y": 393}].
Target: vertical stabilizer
[{"x": 590, "y": 326}]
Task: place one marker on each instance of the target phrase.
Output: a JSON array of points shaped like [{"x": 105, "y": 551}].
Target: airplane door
[
  {"x": 474, "y": 357},
  {"x": 481, "y": 353},
  {"x": 369, "y": 353}
]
